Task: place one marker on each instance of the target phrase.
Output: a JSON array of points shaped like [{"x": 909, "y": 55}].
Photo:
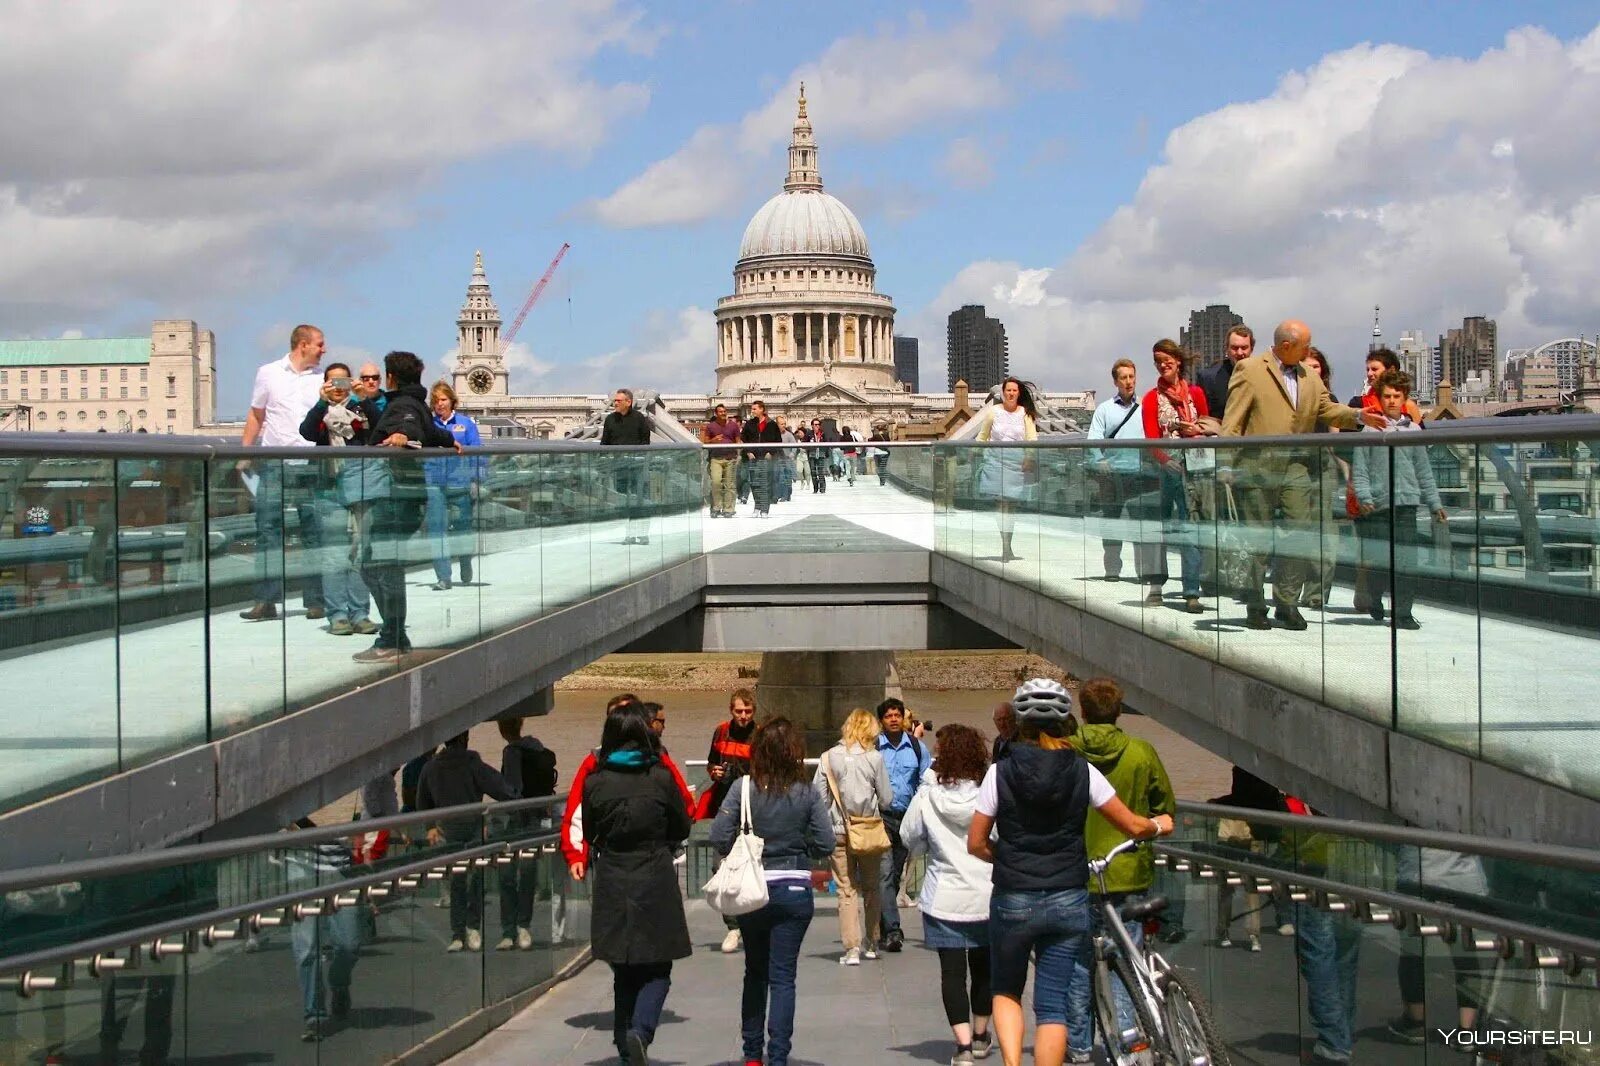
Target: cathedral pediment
[{"x": 829, "y": 392}]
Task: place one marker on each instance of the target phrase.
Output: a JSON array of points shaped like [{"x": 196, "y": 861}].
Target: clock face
[{"x": 480, "y": 380}]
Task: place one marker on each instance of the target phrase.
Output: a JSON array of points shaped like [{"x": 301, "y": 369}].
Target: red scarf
[{"x": 1177, "y": 394}]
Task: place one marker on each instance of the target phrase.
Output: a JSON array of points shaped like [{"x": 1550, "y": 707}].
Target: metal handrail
[
  {"x": 186, "y": 854},
  {"x": 68, "y": 953},
  {"x": 1462, "y": 920},
  {"x": 1585, "y": 860}
]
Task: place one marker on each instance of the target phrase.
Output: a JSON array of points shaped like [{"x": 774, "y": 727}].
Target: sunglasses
[{"x": 369, "y": 377}]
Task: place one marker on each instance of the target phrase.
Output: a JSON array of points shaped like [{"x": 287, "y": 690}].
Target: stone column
[
  {"x": 827, "y": 347},
  {"x": 766, "y": 338},
  {"x": 817, "y": 690}
]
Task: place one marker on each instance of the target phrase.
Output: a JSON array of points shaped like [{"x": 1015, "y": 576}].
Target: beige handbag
[{"x": 864, "y": 834}]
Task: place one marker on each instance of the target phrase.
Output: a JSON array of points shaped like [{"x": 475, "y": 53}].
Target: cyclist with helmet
[{"x": 1036, "y": 802}]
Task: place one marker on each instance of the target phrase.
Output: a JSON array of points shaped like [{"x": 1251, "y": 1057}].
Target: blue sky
[{"x": 998, "y": 151}]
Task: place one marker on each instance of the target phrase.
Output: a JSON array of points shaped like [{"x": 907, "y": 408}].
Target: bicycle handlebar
[{"x": 1097, "y": 866}]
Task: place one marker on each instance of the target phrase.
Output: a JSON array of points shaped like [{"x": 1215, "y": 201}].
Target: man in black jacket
[
  {"x": 760, "y": 430},
  {"x": 627, "y": 425},
  {"x": 390, "y": 519},
  {"x": 1213, "y": 380},
  {"x": 455, "y": 777}
]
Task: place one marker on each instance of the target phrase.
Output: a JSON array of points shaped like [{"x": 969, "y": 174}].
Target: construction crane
[{"x": 533, "y": 298}]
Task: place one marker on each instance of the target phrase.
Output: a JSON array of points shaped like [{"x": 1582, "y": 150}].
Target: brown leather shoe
[
  {"x": 315, "y": 613},
  {"x": 261, "y": 612}
]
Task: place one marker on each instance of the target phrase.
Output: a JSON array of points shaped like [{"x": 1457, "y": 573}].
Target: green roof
[{"x": 82, "y": 352}]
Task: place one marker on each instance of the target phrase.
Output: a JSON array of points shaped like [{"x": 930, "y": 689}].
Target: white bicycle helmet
[{"x": 1042, "y": 700}]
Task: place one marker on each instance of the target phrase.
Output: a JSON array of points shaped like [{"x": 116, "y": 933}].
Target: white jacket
[{"x": 956, "y": 886}]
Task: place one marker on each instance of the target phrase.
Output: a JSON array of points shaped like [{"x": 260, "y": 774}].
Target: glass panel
[
  {"x": 161, "y": 597},
  {"x": 58, "y": 573},
  {"x": 1065, "y": 500},
  {"x": 245, "y": 526},
  {"x": 514, "y": 504}
]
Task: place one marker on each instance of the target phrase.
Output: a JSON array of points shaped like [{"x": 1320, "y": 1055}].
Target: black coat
[
  {"x": 632, "y": 819},
  {"x": 754, "y": 433}
]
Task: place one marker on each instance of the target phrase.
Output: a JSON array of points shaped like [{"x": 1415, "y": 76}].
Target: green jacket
[{"x": 1135, "y": 771}]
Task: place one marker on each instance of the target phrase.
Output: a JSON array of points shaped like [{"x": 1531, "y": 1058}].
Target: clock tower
[{"x": 480, "y": 372}]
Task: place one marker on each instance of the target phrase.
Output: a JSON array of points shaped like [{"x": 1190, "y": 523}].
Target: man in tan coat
[{"x": 1271, "y": 395}]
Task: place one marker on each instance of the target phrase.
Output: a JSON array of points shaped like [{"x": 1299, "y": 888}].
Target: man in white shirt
[
  {"x": 1124, "y": 479},
  {"x": 284, "y": 391}
]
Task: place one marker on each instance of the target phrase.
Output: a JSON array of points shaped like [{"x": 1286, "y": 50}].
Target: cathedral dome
[{"x": 803, "y": 222}]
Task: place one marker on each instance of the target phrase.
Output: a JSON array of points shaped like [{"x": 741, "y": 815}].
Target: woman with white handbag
[
  {"x": 789, "y": 822},
  {"x": 633, "y": 818}
]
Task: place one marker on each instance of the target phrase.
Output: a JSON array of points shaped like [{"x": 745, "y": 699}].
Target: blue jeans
[
  {"x": 1175, "y": 515},
  {"x": 269, "y": 505},
  {"x": 344, "y": 593},
  {"x": 1085, "y": 978},
  {"x": 310, "y": 937},
  {"x": 640, "y": 994},
  {"x": 1054, "y": 927},
  {"x": 1328, "y": 946},
  {"x": 450, "y": 530},
  {"x": 772, "y": 937},
  {"x": 889, "y": 873}
]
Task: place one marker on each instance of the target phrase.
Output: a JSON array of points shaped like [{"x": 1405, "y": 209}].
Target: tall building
[
  {"x": 1416, "y": 359},
  {"x": 1206, "y": 335},
  {"x": 906, "y": 358},
  {"x": 480, "y": 368},
  {"x": 163, "y": 383},
  {"x": 1546, "y": 372},
  {"x": 977, "y": 349},
  {"x": 1471, "y": 352}
]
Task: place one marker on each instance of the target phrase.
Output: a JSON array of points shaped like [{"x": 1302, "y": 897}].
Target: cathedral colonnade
[{"x": 806, "y": 337}]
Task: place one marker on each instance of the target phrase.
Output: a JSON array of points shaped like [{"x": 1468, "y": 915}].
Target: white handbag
[{"x": 740, "y": 884}]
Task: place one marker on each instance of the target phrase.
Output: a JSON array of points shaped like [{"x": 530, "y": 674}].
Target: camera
[{"x": 339, "y": 383}]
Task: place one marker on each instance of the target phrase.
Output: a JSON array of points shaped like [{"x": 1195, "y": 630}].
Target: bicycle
[{"x": 1172, "y": 1024}]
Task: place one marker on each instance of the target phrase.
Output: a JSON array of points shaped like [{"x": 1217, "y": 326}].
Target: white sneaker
[
  {"x": 871, "y": 950},
  {"x": 1224, "y": 942},
  {"x": 851, "y": 958},
  {"x": 1286, "y": 929},
  {"x": 474, "y": 940},
  {"x": 455, "y": 946},
  {"x": 1255, "y": 942},
  {"x": 524, "y": 939},
  {"x": 506, "y": 944},
  {"x": 730, "y": 943}
]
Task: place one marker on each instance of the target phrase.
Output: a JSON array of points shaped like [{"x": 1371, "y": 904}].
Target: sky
[{"x": 1089, "y": 170}]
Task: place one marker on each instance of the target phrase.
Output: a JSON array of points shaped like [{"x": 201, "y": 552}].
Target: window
[
  {"x": 83, "y": 394},
  {"x": 4, "y": 377},
  {"x": 83, "y": 416},
  {"x": 44, "y": 393},
  {"x": 104, "y": 375},
  {"x": 143, "y": 391},
  {"x": 172, "y": 386},
  {"x": 142, "y": 415},
  {"x": 1561, "y": 501},
  {"x": 24, "y": 394},
  {"x": 63, "y": 377},
  {"x": 124, "y": 373},
  {"x": 103, "y": 391},
  {"x": 101, "y": 414},
  {"x": 480, "y": 339},
  {"x": 1446, "y": 471},
  {"x": 1485, "y": 556},
  {"x": 24, "y": 377},
  {"x": 4, "y": 394},
  {"x": 1514, "y": 557},
  {"x": 172, "y": 416},
  {"x": 1485, "y": 501},
  {"x": 144, "y": 373},
  {"x": 83, "y": 375},
  {"x": 124, "y": 391}
]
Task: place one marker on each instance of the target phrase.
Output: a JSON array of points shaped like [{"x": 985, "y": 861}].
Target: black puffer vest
[{"x": 1043, "y": 801}]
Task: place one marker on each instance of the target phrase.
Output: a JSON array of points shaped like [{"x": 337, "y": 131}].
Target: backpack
[{"x": 538, "y": 772}]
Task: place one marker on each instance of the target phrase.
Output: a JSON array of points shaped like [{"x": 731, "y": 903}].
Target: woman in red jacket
[{"x": 1174, "y": 408}]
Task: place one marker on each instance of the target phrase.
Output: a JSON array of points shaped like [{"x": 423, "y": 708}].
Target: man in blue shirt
[
  {"x": 1124, "y": 479},
  {"x": 905, "y": 758}
]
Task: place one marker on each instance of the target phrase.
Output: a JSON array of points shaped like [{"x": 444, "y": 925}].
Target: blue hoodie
[{"x": 458, "y": 473}]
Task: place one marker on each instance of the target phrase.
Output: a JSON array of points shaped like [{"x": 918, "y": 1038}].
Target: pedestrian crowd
[
  {"x": 356, "y": 515},
  {"x": 1006, "y": 842},
  {"x": 1289, "y": 498},
  {"x": 743, "y": 466}
]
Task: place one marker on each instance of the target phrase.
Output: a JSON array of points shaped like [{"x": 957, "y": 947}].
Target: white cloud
[
  {"x": 966, "y": 163},
  {"x": 671, "y": 351},
  {"x": 1436, "y": 187},
  {"x": 156, "y": 148},
  {"x": 870, "y": 86}
]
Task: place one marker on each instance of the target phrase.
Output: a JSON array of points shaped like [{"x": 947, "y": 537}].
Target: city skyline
[{"x": 598, "y": 126}]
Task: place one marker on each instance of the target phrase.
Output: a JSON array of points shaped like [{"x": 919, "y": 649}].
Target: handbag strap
[
  {"x": 833, "y": 787},
  {"x": 744, "y": 803},
  {"x": 1131, "y": 411},
  {"x": 1232, "y": 508}
]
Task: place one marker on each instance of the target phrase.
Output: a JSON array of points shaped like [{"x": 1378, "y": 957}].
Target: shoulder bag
[
  {"x": 740, "y": 884},
  {"x": 864, "y": 834}
]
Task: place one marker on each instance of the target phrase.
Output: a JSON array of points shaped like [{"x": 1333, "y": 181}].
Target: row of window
[
  {"x": 853, "y": 277},
  {"x": 83, "y": 393},
  {"x": 83, "y": 375},
  {"x": 100, "y": 416}
]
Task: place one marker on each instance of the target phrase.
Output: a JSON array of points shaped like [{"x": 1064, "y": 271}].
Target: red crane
[{"x": 533, "y": 298}]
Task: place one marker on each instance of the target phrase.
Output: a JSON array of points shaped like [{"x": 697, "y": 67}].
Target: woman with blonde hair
[{"x": 852, "y": 777}]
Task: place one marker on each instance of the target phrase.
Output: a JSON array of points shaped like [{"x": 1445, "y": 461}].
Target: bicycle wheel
[
  {"x": 1149, "y": 1034},
  {"x": 1192, "y": 1038}
]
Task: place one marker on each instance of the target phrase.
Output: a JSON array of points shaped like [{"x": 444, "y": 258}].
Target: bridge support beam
[{"x": 817, "y": 690}]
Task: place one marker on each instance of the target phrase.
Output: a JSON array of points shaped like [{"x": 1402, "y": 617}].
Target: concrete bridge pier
[{"x": 818, "y": 689}]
